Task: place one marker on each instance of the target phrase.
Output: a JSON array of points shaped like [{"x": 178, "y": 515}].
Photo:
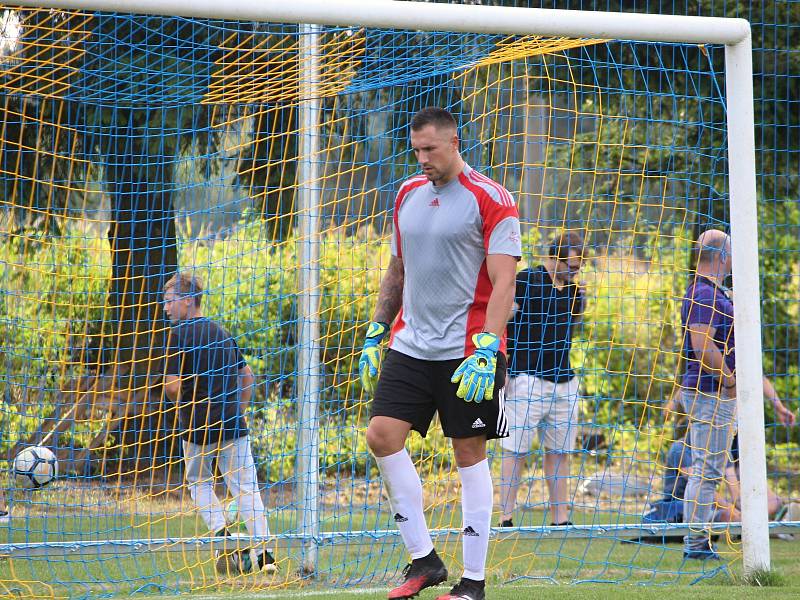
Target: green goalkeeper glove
[
  {"x": 476, "y": 372},
  {"x": 370, "y": 359}
]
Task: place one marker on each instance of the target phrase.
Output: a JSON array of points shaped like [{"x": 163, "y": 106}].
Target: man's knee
[
  {"x": 469, "y": 451},
  {"x": 703, "y": 482},
  {"x": 711, "y": 469},
  {"x": 555, "y": 462},
  {"x": 386, "y": 437},
  {"x": 376, "y": 441}
]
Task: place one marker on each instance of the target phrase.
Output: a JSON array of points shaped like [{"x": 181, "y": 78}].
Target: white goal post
[{"x": 733, "y": 33}]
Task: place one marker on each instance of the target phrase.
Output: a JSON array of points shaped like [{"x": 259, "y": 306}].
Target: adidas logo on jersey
[
  {"x": 434, "y": 202},
  {"x": 478, "y": 424},
  {"x": 398, "y": 518},
  {"x": 469, "y": 531}
]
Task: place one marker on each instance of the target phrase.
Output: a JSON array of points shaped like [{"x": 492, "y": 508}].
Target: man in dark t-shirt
[
  {"x": 209, "y": 361},
  {"x": 542, "y": 391},
  {"x": 210, "y": 382}
]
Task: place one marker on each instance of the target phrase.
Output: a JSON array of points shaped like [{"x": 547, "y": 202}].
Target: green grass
[
  {"x": 765, "y": 578},
  {"x": 519, "y": 568}
]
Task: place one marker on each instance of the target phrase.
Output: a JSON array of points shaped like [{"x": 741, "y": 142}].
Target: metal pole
[
  {"x": 308, "y": 360},
  {"x": 747, "y": 305},
  {"x": 426, "y": 16}
]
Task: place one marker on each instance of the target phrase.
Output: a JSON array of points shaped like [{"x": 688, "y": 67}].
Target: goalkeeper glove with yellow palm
[
  {"x": 370, "y": 359},
  {"x": 476, "y": 372}
]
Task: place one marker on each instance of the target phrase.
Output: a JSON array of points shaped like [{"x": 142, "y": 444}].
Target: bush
[
  {"x": 55, "y": 293},
  {"x": 253, "y": 290},
  {"x": 628, "y": 347}
]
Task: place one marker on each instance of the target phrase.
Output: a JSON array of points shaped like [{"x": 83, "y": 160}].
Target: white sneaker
[
  {"x": 269, "y": 567},
  {"x": 791, "y": 513},
  {"x": 4, "y": 517}
]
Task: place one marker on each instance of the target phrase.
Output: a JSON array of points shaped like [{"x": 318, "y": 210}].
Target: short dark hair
[
  {"x": 185, "y": 284},
  {"x": 433, "y": 115},
  {"x": 564, "y": 243}
]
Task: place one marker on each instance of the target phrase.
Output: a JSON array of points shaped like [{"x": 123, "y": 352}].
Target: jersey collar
[
  {"x": 724, "y": 290},
  {"x": 438, "y": 189}
]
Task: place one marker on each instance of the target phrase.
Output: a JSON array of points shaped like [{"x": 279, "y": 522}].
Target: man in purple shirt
[{"x": 709, "y": 384}]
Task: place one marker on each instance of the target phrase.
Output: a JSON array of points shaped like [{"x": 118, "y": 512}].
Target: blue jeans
[
  {"x": 679, "y": 459},
  {"x": 711, "y": 428}
]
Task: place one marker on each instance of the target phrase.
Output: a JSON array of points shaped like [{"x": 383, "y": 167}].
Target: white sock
[
  {"x": 476, "y": 510},
  {"x": 405, "y": 497}
]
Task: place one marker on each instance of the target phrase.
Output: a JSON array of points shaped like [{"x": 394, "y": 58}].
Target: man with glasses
[
  {"x": 542, "y": 391},
  {"x": 210, "y": 382}
]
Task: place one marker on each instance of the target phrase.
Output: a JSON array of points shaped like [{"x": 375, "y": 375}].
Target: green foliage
[
  {"x": 253, "y": 289},
  {"x": 628, "y": 349},
  {"x": 783, "y": 457},
  {"x": 779, "y": 249},
  {"x": 779, "y": 258},
  {"x": 55, "y": 290},
  {"x": 629, "y": 346}
]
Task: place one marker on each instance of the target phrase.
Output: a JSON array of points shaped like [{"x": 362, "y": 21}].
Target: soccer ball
[
  {"x": 241, "y": 562},
  {"x": 34, "y": 467}
]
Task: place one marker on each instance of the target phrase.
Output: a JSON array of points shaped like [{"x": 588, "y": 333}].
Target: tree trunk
[{"x": 139, "y": 171}]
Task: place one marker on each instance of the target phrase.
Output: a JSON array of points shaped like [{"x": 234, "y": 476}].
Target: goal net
[{"x": 264, "y": 159}]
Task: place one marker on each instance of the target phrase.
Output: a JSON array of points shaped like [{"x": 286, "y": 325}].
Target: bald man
[{"x": 709, "y": 384}]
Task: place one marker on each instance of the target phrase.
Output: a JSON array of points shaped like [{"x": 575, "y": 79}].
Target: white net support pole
[
  {"x": 424, "y": 16},
  {"x": 747, "y": 302},
  {"x": 308, "y": 366}
]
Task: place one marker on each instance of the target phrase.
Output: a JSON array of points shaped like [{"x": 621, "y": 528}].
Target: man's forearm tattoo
[{"x": 390, "y": 297}]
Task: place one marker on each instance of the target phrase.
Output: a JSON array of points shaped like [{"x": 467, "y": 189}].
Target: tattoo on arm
[{"x": 390, "y": 297}]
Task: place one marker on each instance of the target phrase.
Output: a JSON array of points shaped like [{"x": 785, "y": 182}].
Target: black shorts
[{"x": 413, "y": 390}]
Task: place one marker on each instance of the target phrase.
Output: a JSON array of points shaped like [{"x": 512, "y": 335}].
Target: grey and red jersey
[{"x": 443, "y": 235}]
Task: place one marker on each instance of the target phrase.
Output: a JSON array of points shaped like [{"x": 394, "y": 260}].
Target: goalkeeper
[{"x": 446, "y": 296}]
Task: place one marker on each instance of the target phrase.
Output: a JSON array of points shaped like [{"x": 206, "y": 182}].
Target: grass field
[
  {"x": 726, "y": 584},
  {"x": 519, "y": 568},
  {"x": 349, "y": 568}
]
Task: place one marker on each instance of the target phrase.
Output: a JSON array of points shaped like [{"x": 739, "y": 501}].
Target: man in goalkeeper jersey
[
  {"x": 446, "y": 297},
  {"x": 209, "y": 381},
  {"x": 709, "y": 384}
]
